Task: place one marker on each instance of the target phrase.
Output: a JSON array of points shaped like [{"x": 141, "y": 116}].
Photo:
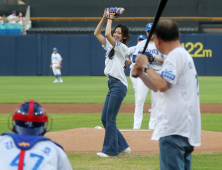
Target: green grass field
[
  {"x": 93, "y": 90},
  {"x": 87, "y": 89},
  {"x": 210, "y": 122}
]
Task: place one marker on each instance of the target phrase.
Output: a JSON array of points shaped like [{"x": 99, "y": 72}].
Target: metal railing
[{"x": 212, "y": 19}]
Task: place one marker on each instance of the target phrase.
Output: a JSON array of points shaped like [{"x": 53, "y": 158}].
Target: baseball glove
[
  {"x": 59, "y": 66},
  {"x": 111, "y": 13},
  {"x": 150, "y": 56}
]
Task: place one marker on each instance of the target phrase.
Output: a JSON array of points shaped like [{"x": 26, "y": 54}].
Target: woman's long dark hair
[{"x": 125, "y": 34}]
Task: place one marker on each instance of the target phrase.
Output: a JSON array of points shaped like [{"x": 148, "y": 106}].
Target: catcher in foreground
[
  {"x": 115, "y": 57},
  {"x": 27, "y": 148}
]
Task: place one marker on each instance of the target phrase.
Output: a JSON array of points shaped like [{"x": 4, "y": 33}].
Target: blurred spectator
[
  {"x": 3, "y": 19},
  {"x": 12, "y": 18},
  {"x": 21, "y": 19}
]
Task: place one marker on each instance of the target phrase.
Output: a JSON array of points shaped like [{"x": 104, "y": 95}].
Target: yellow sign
[
  {"x": 24, "y": 144},
  {"x": 196, "y": 50}
]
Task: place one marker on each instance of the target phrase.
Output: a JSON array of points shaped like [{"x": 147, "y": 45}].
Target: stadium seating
[
  {"x": 2, "y": 29},
  {"x": 8, "y": 28},
  {"x": 18, "y": 26}
]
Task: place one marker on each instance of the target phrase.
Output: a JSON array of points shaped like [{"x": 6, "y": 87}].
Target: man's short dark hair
[{"x": 167, "y": 30}]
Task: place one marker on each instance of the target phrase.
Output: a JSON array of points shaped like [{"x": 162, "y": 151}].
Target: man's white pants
[
  {"x": 152, "y": 122},
  {"x": 141, "y": 94},
  {"x": 134, "y": 81},
  {"x": 55, "y": 70}
]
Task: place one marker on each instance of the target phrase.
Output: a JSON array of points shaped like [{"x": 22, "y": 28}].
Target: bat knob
[{"x": 135, "y": 76}]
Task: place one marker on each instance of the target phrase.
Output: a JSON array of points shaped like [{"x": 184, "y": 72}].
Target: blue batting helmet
[
  {"x": 149, "y": 26},
  {"x": 141, "y": 37},
  {"x": 29, "y": 119},
  {"x": 55, "y": 49}
]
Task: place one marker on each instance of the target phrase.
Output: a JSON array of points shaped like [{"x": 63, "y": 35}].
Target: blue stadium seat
[
  {"x": 18, "y": 26},
  {"x": 13, "y": 31},
  {"x": 2, "y": 29},
  {"x": 8, "y": 25},
  {"x": 3, "y": 32}
]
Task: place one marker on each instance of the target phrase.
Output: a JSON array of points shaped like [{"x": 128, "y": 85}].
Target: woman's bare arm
[
  {"x": 108, "y": 33},
  {"x": 97, "y": 32}
]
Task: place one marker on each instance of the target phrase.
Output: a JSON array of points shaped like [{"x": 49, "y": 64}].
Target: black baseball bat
[{"x": 159, "y": 11}]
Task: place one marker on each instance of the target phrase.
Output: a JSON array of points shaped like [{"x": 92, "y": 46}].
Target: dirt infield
[
  {"x": 91, "y": 140},
  {"x": 97, "y": 108}
]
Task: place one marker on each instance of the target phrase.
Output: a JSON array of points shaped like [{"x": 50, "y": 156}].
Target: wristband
[{"x": 147, "y": 67}]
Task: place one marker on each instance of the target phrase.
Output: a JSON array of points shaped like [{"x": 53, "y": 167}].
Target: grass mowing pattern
[
  {"x": 75, "y": 89},
  {"x": 210, "y": 122},
  {"x": 207, "y": 161},
  {"x": 71, "y": 121},
  {"x": 85, "y": 89},
  {"x": 210, "y": 89},
  {"x": 136, "y": 161},
  {"x": 139, "y": 161}
]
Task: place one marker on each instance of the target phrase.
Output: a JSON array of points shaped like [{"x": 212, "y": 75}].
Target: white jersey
[
  {"x": 178, "y": 111},
  {"x": 44, "y": 155},
  {"x": 20, "y": 20},
  {"x": 130, "y": 55},
  {"x": 151, "y": 48},
  {"x": 12, "y": 17},
  {"x": 115, "y": 67},
  {"x": 56, "y": 58}
]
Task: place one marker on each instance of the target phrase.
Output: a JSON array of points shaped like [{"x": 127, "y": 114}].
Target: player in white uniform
[
  {"x": 130, "y": 58},
  {"x": 27, "y": 148},
  {"x": 142, "y": 89},
  {"x": 13, "y": 18},
  {"x": 178, "y": 125},
  {"x": 56, "y": 65},
  {"x": 115, "y": 60}
]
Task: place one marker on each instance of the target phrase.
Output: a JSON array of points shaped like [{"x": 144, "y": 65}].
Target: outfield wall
[{"x": 83, "y": 55}]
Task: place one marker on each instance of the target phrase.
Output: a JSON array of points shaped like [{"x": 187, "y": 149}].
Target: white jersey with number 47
[{"x": 44, "y": 155}]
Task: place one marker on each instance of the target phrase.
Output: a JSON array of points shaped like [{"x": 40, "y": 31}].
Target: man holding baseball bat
[{"x": 178, "y": 123}]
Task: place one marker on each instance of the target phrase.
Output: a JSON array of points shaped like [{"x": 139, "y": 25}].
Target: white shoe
[
  {"x": 125, "y": 151},
  {"x": 61, "y": 81},
  {"x": 150, "y": 110},
  {"x": 104, "y": 155},
  {"x": 56, "y": 81}
]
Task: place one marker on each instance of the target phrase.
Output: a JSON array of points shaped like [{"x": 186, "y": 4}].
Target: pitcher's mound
[{"x": 91, "y": 140}]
